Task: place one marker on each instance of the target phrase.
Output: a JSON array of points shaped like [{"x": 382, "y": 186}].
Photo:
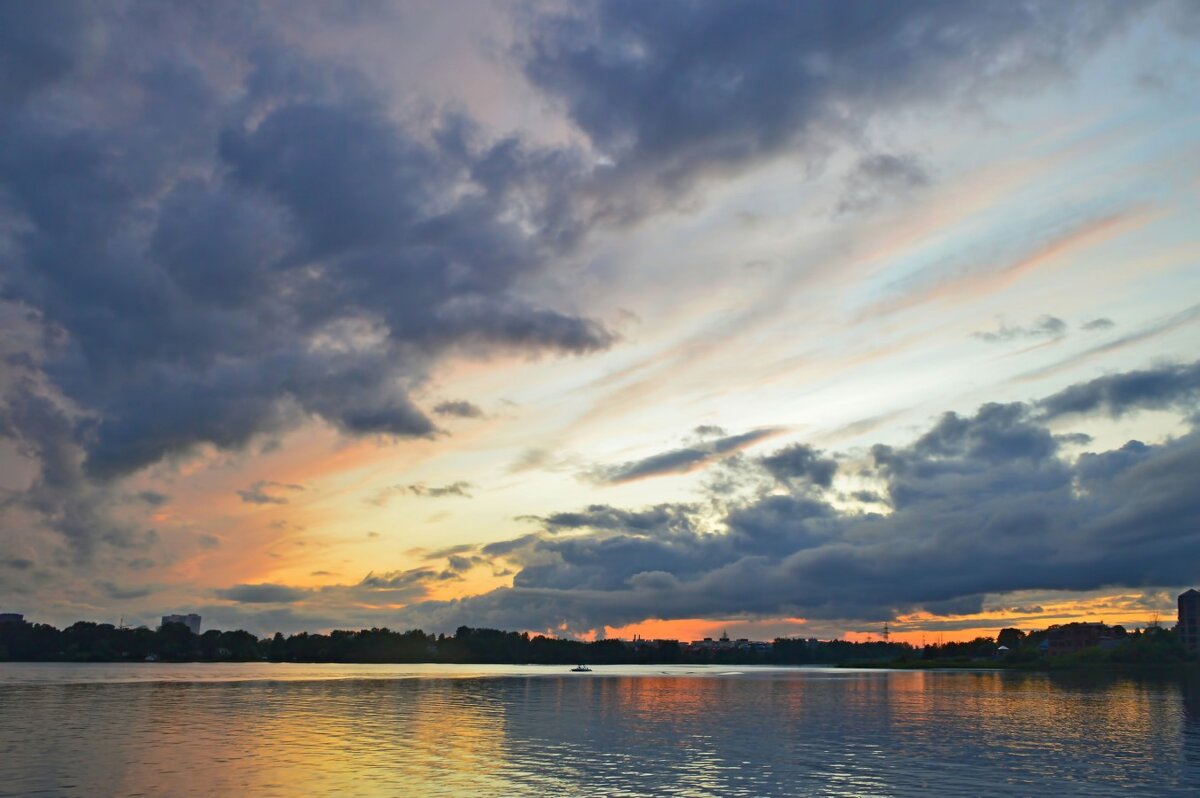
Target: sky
[{"x": 600, "y": 319}]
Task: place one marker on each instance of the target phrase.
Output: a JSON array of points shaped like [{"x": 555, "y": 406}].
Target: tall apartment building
[
  {"x": 1188, "y": 627},
  {"x": 191, "y": 621}
]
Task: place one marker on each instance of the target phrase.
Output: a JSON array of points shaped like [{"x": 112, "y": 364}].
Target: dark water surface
[{"x": 309, "y": 730}]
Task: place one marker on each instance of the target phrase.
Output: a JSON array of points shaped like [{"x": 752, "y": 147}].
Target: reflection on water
[{"x": 426, "y": 730}]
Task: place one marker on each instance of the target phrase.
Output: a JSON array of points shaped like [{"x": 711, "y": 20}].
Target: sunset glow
[{"x": 529, "y": 317}]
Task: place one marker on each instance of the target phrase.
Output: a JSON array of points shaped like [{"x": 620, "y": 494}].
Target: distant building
[
  {"x": 191, "y": 621},
  {"x": 639, "y": 643},
  {"x": 11, "y": 617},
  {"x": 1188, "y": 627},
  {"x": 726, "y": 644},
  {"x": 1071, "y": 637},
  {"x": 708, "y": 644}
]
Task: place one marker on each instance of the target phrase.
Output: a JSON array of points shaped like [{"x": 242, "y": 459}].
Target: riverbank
[{"x": 1044, "y": 665}]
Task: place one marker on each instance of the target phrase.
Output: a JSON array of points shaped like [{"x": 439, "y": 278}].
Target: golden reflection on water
[{"x": 755, "y": 733}]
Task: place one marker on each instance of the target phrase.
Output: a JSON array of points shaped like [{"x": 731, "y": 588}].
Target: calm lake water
[{"x": 316, "y": 730}]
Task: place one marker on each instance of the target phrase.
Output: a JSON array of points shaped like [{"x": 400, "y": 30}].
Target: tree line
[{"x": 99, "y": 642}]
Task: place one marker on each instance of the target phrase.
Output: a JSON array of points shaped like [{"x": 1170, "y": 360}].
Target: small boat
[{"x": 581, "y": 668}]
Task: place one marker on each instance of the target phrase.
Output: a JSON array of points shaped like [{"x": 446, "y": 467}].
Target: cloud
[
  {"x": 243, "y": 238},
  {"x": 1118, "y": 394},
  {"x": 42, "y": 43},
  {"x": 61, "y": 493},
  {"x": 234, "y": 232},
  {"x": 264, "y": 593},
  {"x": 258, "y": 493},
  {"x": 1098, "y": 324},
  {"x": 123, "y": 593},
  {"x": 977, "y": 505},
  {"x": 1043, "y": 327},
  {"x": 799, "y": 462},
  {"x": 710, "y": 430},
  {"x": 543, "y": 459},
  {"x": 458, "y": 409},
  {"x": 448, "y": 551},
  {"x": 607, "y": 517},
  {"x": 1162, "y": 326},
  {"x": 453, "y": 489},
  {"x": 406, "y": 585},
  {"x": 221, "y": 231},
  {"x": 672, "y": 94},
  {"x": 18, "y": 563},
  {"x": 875, "y": 177},
  {"x": 679, "y": 461},
  {"x": 458, "y": 489},
  {"x": 964, "y": 275},
  {"x": 152, "y": 497}
]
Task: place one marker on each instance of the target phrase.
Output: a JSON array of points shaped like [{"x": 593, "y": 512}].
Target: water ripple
[{"x": 392, "y": 730}]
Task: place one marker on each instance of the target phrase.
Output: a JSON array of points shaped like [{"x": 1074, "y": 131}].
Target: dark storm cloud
[
  {"x": 607, "y": 517},
  {"x": 868, "y": 497},
  {"x": 458, "y": 409},
  {"x": 674, "y": 92},
  {"x": 459, "y": 564},
  {"x": 224, "y": 236},
  {"x": 1117, "y": 394},
  {"x": 1043, "y": 327},
  {"x": 40, "y": 43},
  {"x": 679, "y": 461},
  {"x": 70, "y": 503},
  {"x": 800, "y": 462},
  {"x": 979, "y": 504}
]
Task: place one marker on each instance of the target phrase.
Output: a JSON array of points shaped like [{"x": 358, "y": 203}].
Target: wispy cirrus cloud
[
  {"x": 959, "y": 280},
  {"x": 679, "y": 461}
]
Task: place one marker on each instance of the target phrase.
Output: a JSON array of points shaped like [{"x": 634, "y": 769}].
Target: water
[{"x": 325, "y": 730}]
